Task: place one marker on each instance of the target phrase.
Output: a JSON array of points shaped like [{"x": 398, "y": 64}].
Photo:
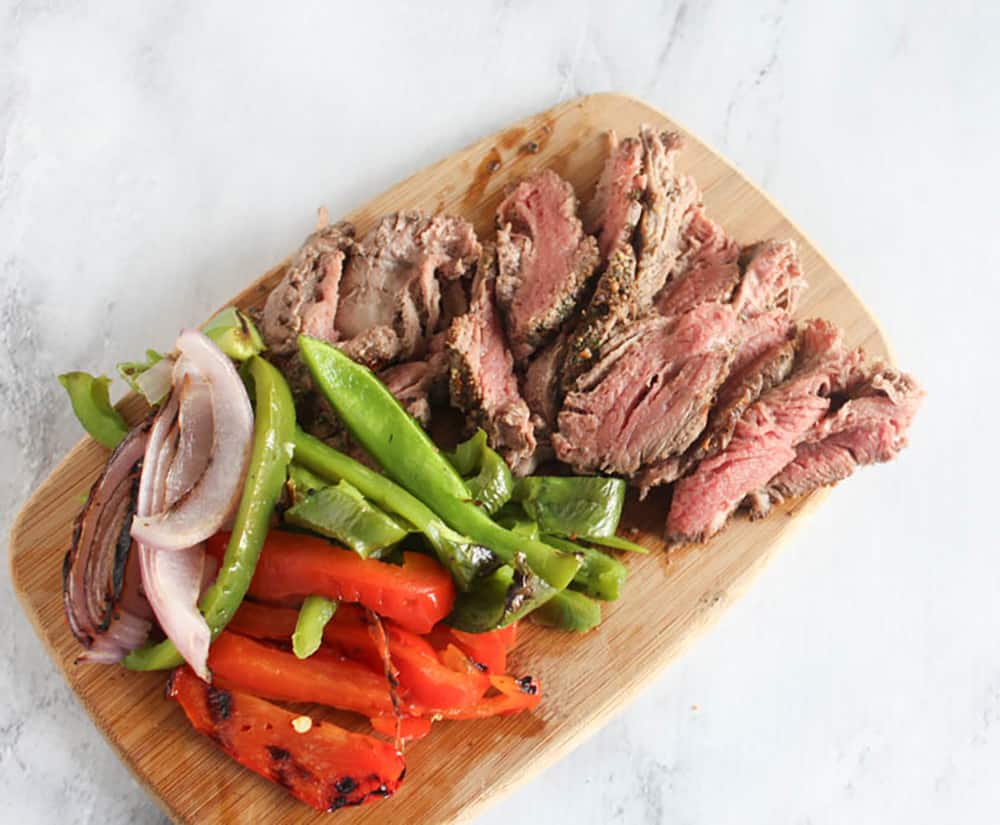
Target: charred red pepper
[
  {"x": 488, "y": 650},
  {"x": 411, "y": 728},
  {"x": 416, "y": 595},
  {"x": 423, "y": 678},
  {"x": 324, "y": 766},
  {"x": 325, "y": 677},
  {"x": 513, "y": 696}
]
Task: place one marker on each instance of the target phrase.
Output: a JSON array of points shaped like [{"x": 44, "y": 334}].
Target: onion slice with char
[
  {"x": 204, "y": 508},
  {"x": 105, "y": 609},
  {"x": 171, "y": 578}
]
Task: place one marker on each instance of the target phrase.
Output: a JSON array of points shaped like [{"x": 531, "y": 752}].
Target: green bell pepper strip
[
  {"x": 315, "y": 613},
  {"x": 492, "y": 484},
  {"x": 274, "y": 431},
  {"x": 504, "y": 596},
  {"x": 569, "y": 610},
  {"x": 235, "y": 334},
  {"x": 340, "y": 512},
  {"x": 572, "y": 505},
  {"x": 394, "y": 439},
  {"x": 464, "y": 558},
  {"x": 302, "y": 481},
  {"x": 92, "y": 405},
  {"x": 615, "y": 543},
  {"x": 600, "y": 576},
  {"x": 130, "y": 370}
]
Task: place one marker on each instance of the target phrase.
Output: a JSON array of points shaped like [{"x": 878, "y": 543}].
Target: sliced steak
[
  {"x": 708, "y": 271},
  {"x": 412, "y": 383},
  {"x": 870, "y": 427},
  {"x": 765, "y": 437},
  {"x": 772, "y": 277},
  {"x": 648, "y": 397},
  {"x": 545, "y": 260},
  {"x": 764, "y": 358},
  {"x": 482, "y": 380},
  {"x": 666, "y": 204},
  {"x": 613, "y": 304},
  {"x": 305, "y": 301},
  {"x": 392, "y": 284},
  {"x": 765, "y": 353},
  {"x": 614, "y": 211}
]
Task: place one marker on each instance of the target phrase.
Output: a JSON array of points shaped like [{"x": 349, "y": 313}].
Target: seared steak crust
[
  {"x": 305, "y": 301},
  {"x": 545, "y": 261},
  {"x": 666, "y": 202},
  {"x": 482, "y": 380},
  {"x": 614, "y": 211}
]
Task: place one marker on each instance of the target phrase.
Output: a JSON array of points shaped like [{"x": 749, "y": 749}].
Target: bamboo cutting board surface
[{"x": 668, "y": 600}]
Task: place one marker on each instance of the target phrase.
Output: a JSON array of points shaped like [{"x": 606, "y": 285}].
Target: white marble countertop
[{"x": 155, "y": 159}]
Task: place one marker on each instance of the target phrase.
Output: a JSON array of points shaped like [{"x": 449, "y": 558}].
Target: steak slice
[
  {"x": 648, "y": 397},
  {"x": 305, "y": 301},
  {"x": 542, "y": 394},
  {"x": 765, "y": 437},
  {"x": 709, "y": 269},
  {"x": 870, "y": 427},
  {"x": 612, "y": 305},
  {"x": 392, "y": 284},
  {"x": 614, "y": 211},
  {"x": 413, "y": 383},
  {"x": 545, "y": 260},
  {"x": 482, "y": 380},
  {"x": 772, "y": 277},
  {"x": 744, "y": 385},
  {"x": 764, "y": 358},
  {"x": 666, "y": 203}
]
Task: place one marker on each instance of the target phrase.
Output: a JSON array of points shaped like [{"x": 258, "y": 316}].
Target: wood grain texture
[{"x": 669, "y": 598}]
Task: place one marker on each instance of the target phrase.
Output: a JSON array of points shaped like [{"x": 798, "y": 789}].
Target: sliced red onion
[
  {"x": 171, "y": 578},
  {"x": 104, "y": 607},
  {"x": 155, "y": 382},
  {"x": 196, "y": 424},
  {"x": 205, "y": 507}
]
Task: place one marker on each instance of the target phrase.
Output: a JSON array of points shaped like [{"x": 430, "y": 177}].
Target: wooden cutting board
[{"x": 669, "y": 598}]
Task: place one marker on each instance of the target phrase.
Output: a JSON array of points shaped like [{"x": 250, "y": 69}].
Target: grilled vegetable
[
  {"x": 572, "y": 506},
  {"x": 417, "y": 594},
  {"x": 274, "y": 426},
  {"x": 377, "y": 422},
  {"x": 600, "y": 576},
  {"x": 499, "y": 599},
  {"x": 464, "y": 559},
  {"x": 315, "y": 613},
  {"x": 569, "y": 610},
  {"x": 234, "y": 334},
  {"x": 323, "y": 765},
  {"x": 89, "y": 397},
  {"x": 340, "y": 512},
  {"x": 486, "y": 474}
]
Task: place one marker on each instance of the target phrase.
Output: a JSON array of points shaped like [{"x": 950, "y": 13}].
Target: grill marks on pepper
[{"x": 220, "y": 704}]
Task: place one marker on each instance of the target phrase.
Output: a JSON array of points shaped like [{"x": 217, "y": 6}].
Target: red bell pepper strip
[
  {"x": 411, "y": 728},
  {"x": 325, "y": 677},
  {"x": 423, "y": 678},
  {"x": 329, "y": 679},
  {"x": 488, "y": 650},
  {"x": 325, "y": 766},
  {"x": 514, "y": 695},
  {"x": 416, "y": 595}
]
